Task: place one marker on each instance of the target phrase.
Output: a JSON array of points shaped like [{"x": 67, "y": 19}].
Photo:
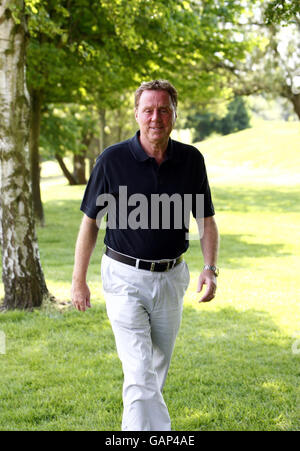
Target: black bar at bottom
[{"x": 140, "y": 440}]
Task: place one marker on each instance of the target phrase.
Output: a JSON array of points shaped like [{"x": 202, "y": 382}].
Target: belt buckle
[{"x": 166, "y": 262}]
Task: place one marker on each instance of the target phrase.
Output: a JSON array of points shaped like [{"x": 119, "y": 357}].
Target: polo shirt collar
[{"x": 140, "y": 154}]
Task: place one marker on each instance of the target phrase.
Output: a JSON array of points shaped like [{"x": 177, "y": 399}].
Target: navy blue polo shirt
[{"x": 134, "y": 183}]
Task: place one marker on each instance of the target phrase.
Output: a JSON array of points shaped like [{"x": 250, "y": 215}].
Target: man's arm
[
  {"x": 85, "y": 245},
  {"x": 210, "y": 246}
]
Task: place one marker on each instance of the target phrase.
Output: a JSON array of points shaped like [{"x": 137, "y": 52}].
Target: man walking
[{"x": 143, "y": 272}]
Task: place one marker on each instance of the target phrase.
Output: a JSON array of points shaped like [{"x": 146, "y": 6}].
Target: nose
[{"x": 155, "y": 115}]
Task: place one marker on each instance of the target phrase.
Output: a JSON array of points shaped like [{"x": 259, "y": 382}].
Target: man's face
[{"x": 156, "y": 116}]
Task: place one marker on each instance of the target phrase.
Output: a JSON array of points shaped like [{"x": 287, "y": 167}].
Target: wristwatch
[{"x": 214, "y": 269}]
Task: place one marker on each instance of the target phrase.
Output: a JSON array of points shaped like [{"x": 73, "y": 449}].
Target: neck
[{"x": 155, "y": 150}]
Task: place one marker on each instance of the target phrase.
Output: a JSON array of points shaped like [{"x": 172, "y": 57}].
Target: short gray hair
[{"x": 156, "y": 85}]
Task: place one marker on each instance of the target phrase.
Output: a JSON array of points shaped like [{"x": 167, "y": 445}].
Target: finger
[
  {"x": 207, "y": 298},
  {"x": 80, "y": 306},
  {"x": 84, "y": 304},
  {"x": 200, "y": 285},
  {"x": 209, "y": 293},
  {"x": 74, "y": 301},
  {"x": 88, "y": 300},
  {"x": 77, "y": 306}
]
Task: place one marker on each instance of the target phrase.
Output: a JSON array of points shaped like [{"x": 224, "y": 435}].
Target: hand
[
  {"x": 80, "y": 295},
  {"x": 207, "y": 278}
]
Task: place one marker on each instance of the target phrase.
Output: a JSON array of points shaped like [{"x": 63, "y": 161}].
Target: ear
[
  {"x": 136, "y": 114},
  {"x": 174, "y": 117}
]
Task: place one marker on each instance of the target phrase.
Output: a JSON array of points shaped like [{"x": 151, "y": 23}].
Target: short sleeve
[
  {"x": 204, "y": 207},
  {"x": 97, "y": 185}
]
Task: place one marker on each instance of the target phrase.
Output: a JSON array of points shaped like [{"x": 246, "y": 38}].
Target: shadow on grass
[
  {"x": 233, "y": 370},
  {"x": 63, "y": 211},
  {"x": 58, "y": 238},
  {"x": 234, "y": 248},
  {"x": 247, "y": 199},
  {"x": 63, "y": 217},
  {"x": 70, "y": 374}
]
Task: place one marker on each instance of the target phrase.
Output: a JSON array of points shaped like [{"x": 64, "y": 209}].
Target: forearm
[
  {"x": 209, "y": 238},
  {"x": 85, "y": 245},
  {"x": 210, "y": 241}
]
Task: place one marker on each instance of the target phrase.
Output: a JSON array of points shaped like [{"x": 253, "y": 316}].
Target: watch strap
[{"x": 212, "y": 268}]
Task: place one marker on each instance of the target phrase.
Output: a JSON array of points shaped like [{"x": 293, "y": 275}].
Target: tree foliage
[
  {"x": 206, "y": 123},
  {"x": 67, "y": 128},
  {"x": 283, "y": 11},
  {"x": 91, "y": 52},
  {"x": 273, "y": 65}
]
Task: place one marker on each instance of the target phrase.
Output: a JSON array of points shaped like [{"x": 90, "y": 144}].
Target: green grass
[
  {"x": 267, "y": 153},
  {"x": 233, "y": 366}
]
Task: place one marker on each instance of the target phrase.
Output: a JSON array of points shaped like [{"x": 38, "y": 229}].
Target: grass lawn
[{"x": 236, "y": 364}]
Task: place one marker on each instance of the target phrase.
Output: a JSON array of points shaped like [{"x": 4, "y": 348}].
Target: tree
[
  {"x": 22, "y": 274},
  {"x": 207, "y": 122},
  {"x": 236, "y": 119},
  {"x": 74, "y": 130},
  {"x": 54, "y": 73},
  {"x": 69, "y": 129},
  {"x": 93, "y": 51},
  {"x": 283, "y": 11},
  {"x": 272, "y": 66}
]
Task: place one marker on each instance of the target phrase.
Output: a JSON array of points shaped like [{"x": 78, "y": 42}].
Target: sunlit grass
[{"x": 267, "y": 153}]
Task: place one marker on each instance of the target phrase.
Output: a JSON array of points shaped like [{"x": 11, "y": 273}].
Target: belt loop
[{"x": 137, "y": 263}]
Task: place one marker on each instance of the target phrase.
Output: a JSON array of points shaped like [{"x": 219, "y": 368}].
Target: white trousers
[{"x": 145, "y": 310}]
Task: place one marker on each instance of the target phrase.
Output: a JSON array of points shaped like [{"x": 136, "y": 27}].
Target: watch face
[{"x": 214, "y": 269}]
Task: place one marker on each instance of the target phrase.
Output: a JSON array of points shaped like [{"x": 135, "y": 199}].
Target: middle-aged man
[{"x": 143, "y": 273}]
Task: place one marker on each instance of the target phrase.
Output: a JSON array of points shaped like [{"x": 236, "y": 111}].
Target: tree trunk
[
  {"x": 120, "y": 125},
  {"x": 102, "y": 120},
  {"x": 22, "y": 274},
  {"x": 79, "y": 169},
  {"x": 91, "y": 164},
  {"x": 295, "y": 99},
  {"x": 71, "y": 179},
  {"x": 34, "y": 141}
]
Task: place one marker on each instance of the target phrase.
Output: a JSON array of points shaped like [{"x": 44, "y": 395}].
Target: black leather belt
[{"x": 144, "y": 264}]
